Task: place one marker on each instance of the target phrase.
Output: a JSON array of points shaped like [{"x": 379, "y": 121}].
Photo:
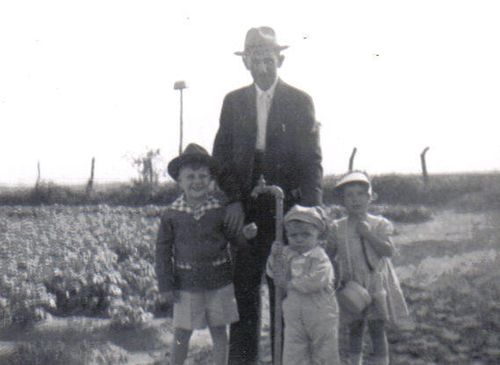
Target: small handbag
[{"x": 352, "y": 296}]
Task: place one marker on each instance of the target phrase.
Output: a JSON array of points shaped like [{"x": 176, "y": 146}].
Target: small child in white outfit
[{"x": 310, "y": 308}]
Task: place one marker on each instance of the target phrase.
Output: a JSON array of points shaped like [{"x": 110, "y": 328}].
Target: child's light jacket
[
  {"x": 309, "y": 272},
  {"x": 353, "y": 264}
]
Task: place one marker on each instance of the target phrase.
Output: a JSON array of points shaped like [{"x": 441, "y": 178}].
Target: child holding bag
[{"x": 370, "y": 294}]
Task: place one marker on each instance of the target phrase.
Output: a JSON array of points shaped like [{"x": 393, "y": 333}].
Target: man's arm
[
  {"x": 309, "y": 156},
  {"x": 226, "y": 178},
  {"x": 223, "y": 152}
]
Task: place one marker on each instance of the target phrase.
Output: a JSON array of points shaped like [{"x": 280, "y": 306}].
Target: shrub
[
  {"x": 441, "y": 189},
  {"x": 395, "y": 213}
]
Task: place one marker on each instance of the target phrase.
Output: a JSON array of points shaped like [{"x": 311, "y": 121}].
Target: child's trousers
[{"x": 311, "y": 329}]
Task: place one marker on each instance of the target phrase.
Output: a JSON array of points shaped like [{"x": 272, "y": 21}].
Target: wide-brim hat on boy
[
  {"x": 311, "y": 215},
  {"x": 359, "y": 177},
  {"x": 261, "y": 38},
  {"x": 193, "y": 153}
]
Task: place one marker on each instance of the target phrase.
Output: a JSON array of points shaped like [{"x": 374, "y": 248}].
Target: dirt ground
[{"x": 427, "y": 251}]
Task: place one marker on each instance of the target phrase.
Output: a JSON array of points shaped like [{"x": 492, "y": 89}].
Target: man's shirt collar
[{"x": 269, "y": 91}]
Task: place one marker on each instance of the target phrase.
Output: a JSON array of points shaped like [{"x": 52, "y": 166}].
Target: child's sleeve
[
  {"x": 331, "y": 244},
  {"x": 385, "y": 228},
  {"x": 270, "y": 266},
  {"x": 273, "y": 262},
  {"x": 383, "y": 231},
  {"x": 319, "y": 275},
  {"x": 164, "y": 256}
]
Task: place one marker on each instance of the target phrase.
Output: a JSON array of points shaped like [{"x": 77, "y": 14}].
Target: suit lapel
[
  {"x": 250, "y": 122},
  {"x": 275, "y": 124}
]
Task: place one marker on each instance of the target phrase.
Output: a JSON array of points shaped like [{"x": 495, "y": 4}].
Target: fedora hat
[
  {"x": 193, "y": 153},
  {"x": 259, "y": 39}
]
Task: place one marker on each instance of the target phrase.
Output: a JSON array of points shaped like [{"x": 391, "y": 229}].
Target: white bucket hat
[{"x": 354, "y": 177}]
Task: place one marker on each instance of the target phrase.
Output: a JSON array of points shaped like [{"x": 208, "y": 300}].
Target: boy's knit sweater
[{"x": 192, "y": 249}]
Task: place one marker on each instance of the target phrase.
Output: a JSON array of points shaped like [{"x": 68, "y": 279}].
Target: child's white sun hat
[{"x": 354, "y": 177}]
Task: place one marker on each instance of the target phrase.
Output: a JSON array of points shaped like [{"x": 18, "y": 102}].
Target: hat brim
[
  {"x": 176, "y": 164},
  {"x": 246, "y": 52},
  {"x": 352, "y": 177}
]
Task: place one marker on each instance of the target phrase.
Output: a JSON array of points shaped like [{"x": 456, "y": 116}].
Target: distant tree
[{"x": 149, "y": 167}]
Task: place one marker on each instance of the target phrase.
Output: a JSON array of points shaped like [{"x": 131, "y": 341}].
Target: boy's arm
[
  {"x": 164, "y": 256},
  {"x": 270, "y": 266},
  {"x": 274, "y": 263},
  {"x": 318, "y": 276}
]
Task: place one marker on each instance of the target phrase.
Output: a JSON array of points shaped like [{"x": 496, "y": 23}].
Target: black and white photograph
[{"x": 249, "y": 183}]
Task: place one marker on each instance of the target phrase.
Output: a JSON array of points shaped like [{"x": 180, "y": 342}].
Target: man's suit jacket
[{"x": 293, "y": 155}]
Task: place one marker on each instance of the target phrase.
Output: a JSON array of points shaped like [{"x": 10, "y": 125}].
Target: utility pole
[{"x": 180, "y": 85}]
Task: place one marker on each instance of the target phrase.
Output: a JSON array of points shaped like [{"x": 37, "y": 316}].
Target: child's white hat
[
  {"x": 311, "y": 215},
  {"x": 354, "y": 177}
]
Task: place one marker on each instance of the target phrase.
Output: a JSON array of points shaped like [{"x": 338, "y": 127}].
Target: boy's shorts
[{"x": 197, "y": 310}]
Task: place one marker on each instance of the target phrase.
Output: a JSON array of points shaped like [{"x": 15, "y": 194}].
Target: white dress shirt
[{"x": 264, "y": 101}]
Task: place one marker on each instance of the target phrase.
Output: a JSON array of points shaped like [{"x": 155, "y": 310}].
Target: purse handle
[{"x": 363, "y": 248}]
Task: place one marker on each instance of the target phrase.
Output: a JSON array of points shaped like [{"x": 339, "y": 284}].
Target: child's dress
[
  {"x": 367, "y": 268},
  {"x": 310, "y": 308}
]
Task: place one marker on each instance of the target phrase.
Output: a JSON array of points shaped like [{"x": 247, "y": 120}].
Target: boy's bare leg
[
  {"x": 180, "y": 345},
  {"x": 220, "y": 341}
]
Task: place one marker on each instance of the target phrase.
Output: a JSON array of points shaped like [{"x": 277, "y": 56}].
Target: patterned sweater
[{"x": 192, "y": 248}]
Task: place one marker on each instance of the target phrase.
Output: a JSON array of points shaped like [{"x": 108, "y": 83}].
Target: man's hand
[{"x": 234, "y": 218}]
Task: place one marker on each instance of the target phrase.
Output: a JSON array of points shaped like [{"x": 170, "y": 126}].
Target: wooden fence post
[
  {"x": 425, "y": 176},
  {"x": 39, "y": 175},
  {"x": 351, "y": 159},
  {"x": 90, "y": 183}
]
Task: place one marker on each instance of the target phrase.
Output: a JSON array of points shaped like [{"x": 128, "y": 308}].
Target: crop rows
[
  {"x": 98, "y": 261},
  {"x": 93, "y": 261}
]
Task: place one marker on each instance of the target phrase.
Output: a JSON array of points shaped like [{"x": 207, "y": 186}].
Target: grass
[
  {"x": 470, "y": 191},
  {"x": 475, "y": 190}
]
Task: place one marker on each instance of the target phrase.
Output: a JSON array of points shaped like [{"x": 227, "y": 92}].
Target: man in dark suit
[{"x": 267, "y": 128}]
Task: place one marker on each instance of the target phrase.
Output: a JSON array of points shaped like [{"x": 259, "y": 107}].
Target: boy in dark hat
[{"x": 193, "y": 262}]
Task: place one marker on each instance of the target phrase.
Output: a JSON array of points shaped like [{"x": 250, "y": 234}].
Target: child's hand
[
  {"x": 277, "y": 247},
  {"x": 363, "y": 229},
  {"x": 250, "y": 231}
]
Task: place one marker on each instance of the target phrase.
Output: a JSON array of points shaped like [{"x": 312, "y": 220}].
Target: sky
[{"x": 94, "y": 78}]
